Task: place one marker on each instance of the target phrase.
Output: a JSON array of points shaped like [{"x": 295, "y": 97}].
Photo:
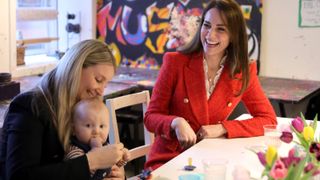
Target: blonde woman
[{"x": 37, "y": 127}]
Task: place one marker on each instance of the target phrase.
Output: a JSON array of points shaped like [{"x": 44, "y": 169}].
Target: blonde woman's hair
[{"x": 60, "y": 86}]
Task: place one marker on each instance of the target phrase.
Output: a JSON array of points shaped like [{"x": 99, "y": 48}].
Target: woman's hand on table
[
  {"x": 184, "y": 132},
  {"x": 211, "y": 131}
]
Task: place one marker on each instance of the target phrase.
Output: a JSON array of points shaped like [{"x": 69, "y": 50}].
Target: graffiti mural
[{"x": 138, "y": 31}]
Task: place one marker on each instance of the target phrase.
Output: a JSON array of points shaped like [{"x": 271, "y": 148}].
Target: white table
[{"x": 236, "y": 151}]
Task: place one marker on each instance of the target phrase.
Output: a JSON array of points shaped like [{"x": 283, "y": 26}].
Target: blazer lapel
[
  {"x": 225, "y": 90},
  {"x": 194, "y": 82}
]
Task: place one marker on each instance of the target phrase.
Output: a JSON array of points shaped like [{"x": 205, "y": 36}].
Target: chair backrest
[{"x": 126, "y": 101}]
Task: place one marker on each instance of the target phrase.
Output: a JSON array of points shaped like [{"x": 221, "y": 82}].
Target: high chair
[{"x": 126, "y": 101}]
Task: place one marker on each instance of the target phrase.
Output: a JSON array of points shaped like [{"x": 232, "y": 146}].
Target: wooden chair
[{"x": 126, "y": 101}]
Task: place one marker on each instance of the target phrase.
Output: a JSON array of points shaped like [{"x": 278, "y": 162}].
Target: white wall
[
  {"x": 4, "y": 36},
  {"x": 287, "y": 50},
  {"x": 85, "y": 11}
]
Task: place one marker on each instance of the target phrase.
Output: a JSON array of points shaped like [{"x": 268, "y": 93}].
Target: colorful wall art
[{"x": 141, "y": 31}]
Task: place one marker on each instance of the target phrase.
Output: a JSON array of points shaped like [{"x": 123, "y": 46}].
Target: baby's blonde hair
[{"x": 93, "y": 104}]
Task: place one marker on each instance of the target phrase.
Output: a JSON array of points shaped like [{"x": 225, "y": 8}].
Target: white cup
[
  {"x": 215, "y": 168},
  {"x": 272, "y": 135}
]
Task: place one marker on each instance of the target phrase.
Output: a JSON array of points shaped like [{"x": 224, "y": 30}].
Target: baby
[{"x": 90, "y": 129}]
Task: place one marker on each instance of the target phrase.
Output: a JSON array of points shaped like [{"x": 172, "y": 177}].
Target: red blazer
[{"x": 180, "y": 91}]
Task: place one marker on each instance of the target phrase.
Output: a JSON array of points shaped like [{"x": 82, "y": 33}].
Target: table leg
[{"x": 282, "y": 110}]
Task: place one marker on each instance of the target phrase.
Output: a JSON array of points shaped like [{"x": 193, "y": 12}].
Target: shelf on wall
[{"x": 36, "y": 14}]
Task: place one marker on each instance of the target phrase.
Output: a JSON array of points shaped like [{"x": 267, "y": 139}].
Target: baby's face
[{"x": 91, "y": 124}]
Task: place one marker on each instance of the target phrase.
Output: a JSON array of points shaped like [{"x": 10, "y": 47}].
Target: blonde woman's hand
[
  {"x": 126, "y": 155},
  {"x": 184, "y": 132},
  {"x": 125, "y": 158},
  {"x": 116, "y": 173},
  {"x": 211, "y": 131},
  {"x": 105, "y": 156}
]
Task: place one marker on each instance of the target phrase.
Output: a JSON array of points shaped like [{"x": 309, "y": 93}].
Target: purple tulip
[
  {"x": 298, "y": 125},
  {"x": 316, "y": 172},
  {"x": 314, "y": 148},
  {"x": 309, "y": 167},
  {"x": 286, "y": 137},
  {"x": 287, "y": 161},
  {"x": 318, "y": 156},
  {"x": 262, "y": 158},
  {"x": 291, "y": 159}
]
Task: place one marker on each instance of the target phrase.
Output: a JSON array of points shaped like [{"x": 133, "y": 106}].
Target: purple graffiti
[{"x": 142, "y": 28}]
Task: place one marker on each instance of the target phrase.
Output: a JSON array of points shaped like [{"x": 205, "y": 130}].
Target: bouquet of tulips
[{"x": 302, "y": 161}]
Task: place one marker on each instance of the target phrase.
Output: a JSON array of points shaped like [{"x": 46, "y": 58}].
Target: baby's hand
[
  {"x": 126, "y": 154},
  {"x": 125, "y": 158},
  {"x": 95, "y": 142}
]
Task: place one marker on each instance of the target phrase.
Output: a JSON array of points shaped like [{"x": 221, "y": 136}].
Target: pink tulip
[
  {"x": 286, "y": 137},
  {"x": 292, "y": 152},
  {"x": 298, "y": 125},
  {"x": 278, "y": 171}
]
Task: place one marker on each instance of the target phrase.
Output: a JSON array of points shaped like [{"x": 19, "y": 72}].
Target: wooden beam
[{"x": 36, "y": 40}]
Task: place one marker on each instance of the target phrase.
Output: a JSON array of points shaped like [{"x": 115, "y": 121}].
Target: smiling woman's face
[
  {"x": 94, "y": 79},
  {"x": 214, "y": 34}
]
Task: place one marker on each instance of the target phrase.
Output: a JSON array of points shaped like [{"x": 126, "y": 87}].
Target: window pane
[
  {"x": 36, "y": 29},
  {"x": 36, "y": 3}
]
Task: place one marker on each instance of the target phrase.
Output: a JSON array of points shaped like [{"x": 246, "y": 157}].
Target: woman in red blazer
[{"x": 199, "y": 87}]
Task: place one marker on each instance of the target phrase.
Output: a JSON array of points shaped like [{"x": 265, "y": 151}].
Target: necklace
[
  {"x": 212, "y": 79},
  {"x": 211, "y": 83}
]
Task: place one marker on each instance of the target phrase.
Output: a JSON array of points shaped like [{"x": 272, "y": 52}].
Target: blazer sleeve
[
  {"x": 157, "y": 118},
  {"x": 258, "y": 106},
  {"x": 23, "y": 148}
]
